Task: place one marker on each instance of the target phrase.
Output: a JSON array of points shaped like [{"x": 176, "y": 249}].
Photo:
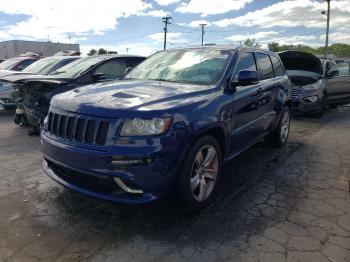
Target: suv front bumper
[{"x": 93, "y": 173}]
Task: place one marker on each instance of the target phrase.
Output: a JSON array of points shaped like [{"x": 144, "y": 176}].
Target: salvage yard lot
[{"x": 289, "y": 204}]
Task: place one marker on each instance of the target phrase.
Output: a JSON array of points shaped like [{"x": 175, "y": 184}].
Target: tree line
[{"x": 337, "y": 49}]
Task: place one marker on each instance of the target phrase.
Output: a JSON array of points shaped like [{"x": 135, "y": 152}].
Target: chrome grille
[
  {"x": 296, "y": 92},
  {"x": 82, "y": 130}
]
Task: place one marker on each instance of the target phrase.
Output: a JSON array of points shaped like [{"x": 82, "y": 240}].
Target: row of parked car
[{"x": 167, "y": 124}]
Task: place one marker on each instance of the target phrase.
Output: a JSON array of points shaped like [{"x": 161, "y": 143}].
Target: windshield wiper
[{"x": 165, "y": 80}]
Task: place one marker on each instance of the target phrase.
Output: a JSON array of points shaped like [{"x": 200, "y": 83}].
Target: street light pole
[
  {"x": 327, "y": 33},
  {"x": 202, "y": 26}
]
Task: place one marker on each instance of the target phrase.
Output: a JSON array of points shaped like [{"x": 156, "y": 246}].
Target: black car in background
[
  {"x": 43, "y": 66},
  {"x": 35, "y": 93}
]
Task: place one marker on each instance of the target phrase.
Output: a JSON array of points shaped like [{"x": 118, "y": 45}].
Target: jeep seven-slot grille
[{"x": 80, "y": 129}]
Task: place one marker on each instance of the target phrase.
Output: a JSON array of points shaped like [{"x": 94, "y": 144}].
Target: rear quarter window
[
  {"x": 277, "y": 66},
  {"x": 265, "y": 66}
]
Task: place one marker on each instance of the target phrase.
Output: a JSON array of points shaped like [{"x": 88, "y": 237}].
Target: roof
[
  {"x": 224, "y": 47},
  {"x": 113, "y": 55}
]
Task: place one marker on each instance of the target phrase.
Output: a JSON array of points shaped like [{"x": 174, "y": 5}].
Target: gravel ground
[{"x": 290, "y": 204}]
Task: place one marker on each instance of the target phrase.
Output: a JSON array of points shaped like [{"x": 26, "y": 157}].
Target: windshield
[
  {"x": 8, "y": 64},
  {"x": 77, "y": 67},
  {"x": 40, "y": 66},
  {"x": 194, "y": 66}
]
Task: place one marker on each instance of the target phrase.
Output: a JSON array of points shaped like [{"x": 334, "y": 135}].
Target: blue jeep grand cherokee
[{"x": 168, "y": 126}]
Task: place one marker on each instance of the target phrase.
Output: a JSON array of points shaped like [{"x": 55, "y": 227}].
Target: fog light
[
  {"x": 311, "y": 99},
  {"x": 119, "y": 161}
]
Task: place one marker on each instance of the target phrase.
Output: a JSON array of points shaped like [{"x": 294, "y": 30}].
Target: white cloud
[
  {"x": 167, "y": 2},
  {"x": 211, "y": 7},
  {"x": 158, "y": 13},
  {"x": 257, "y": 36},
  {"x": 171, "y": 38},
  {"x": 293, "y": 40},
  {"x": 340, "y": 36},
  {"x": 291, "y": 13},
  {"x": 198, "y": 22},
  {"x": 57, "y": 17}
]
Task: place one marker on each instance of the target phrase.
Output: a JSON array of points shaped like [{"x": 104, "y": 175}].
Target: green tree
[
  {"x": 102, "y": 51},
  {"x": 273, "y": 46},
  {"x": 251, "y": 42},
  {"x": 92, "y": 52}
]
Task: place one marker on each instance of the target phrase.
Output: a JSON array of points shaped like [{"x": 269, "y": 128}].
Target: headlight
[
  {"x": 311, "y": 87},
  {"x": 5, "y": 85},
  {"x": 145, "y": 127}
]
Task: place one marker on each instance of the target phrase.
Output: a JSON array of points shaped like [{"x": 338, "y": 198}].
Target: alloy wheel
[
  {"x": 204, "y": 173},
  {"x": 285, "y": 126}
]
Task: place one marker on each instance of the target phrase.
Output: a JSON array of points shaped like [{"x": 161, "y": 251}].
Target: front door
[
  {"x": 244, "y": 107},
  {"x": 338, "y": 84}
]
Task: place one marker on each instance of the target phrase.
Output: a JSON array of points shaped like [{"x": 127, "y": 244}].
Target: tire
[
  {"x": 323, "y": 107},
  {"x": 17, "y": 119},
  {"x": 279, "y": 136},
  {"x": 197, "y": 188}
]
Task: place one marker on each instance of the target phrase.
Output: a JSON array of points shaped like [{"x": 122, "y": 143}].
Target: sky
[{"x": 136, "y": 27}]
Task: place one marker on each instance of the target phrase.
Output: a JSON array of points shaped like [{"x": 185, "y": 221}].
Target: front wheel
[
  {"x": 279, "y": 137},
  {"x": 201, "y": 174}
]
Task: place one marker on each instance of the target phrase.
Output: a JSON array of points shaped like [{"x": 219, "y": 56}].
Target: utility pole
[
  {"x": 166, "y": 22},
  {"x": 327, "y": 33},
  {"x": 202, "y": 26}
]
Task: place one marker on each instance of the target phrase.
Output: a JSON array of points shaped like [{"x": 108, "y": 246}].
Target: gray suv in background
[
  {"x": 338, "y": 83},
  {"x": 309, "y": 85}
]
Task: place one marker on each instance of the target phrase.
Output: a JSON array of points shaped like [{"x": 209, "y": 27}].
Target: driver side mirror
[
  {"x": 127, "y": 70},
  {"x": 98, "y": 77},
  {"x": 246, "y": 78},
  {"x": 331, "y": 73}
]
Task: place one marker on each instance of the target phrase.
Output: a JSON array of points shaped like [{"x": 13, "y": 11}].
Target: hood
[
  {"x": 106, "y": 99},
  {"x": 7, "y": 73},
  {"x": 36, "y": 79},
  {"x": 301, "y": 61},
  {"x": 19, "y": 77}
]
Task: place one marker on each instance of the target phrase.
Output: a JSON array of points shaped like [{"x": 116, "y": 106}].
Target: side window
[
  {"x": 133, "y": 62},
  {"x": 245, "y": 62},
  {"x": 112, "y": 69},
  {"x": 343, "y": 68},
  {"x": 25, "y": 63},
  {"x": 265, "y": 66},
  {"x": 277, "y": 66},
  {"x": 66, "y": 62}
]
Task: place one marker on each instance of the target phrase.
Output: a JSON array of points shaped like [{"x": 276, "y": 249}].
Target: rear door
[
  {"x": 269, "y": 89},
  {"x": 338, "y": 84}
]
